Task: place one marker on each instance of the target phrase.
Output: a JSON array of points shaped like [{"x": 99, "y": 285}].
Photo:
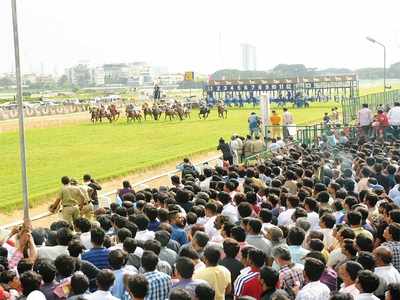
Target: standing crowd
[{"x": 305, "y": 224}]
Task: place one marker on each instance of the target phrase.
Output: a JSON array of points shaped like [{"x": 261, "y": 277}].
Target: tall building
[{"x": 248, "y": 57}]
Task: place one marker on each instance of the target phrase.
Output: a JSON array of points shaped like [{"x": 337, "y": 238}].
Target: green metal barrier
[
  {"x": 351, "y": 106},
  {"x": 302, "y": 134},
  {"x": 258, "y": 156}
]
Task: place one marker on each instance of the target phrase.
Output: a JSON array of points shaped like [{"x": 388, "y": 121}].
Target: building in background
[
  {"x": 98, "y": 76},
  {"x": 170, "y": 79},
  {"x": 116, "y": 74},
  {"x": 248, "y": 57}
]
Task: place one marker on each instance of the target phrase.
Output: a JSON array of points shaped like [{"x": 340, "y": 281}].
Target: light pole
[
  {"x": 20, "y": 115},
  {"x": 384, "y": 60}
]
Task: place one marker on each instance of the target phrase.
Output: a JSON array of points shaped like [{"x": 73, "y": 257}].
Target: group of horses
[
  {"x": 156, "y": 111},
  {"x": 98, "y": 114},
  {"x": 206, "y": 109},
  {"x": 173, "y": 111}
]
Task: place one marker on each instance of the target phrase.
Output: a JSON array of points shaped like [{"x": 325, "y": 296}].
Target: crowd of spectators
[{"x": 304, "y": 224}]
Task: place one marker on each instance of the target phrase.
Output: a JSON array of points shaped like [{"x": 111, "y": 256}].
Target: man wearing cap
[
  {"x": 71, "y": 199},
  {"x": 87, "y": 209}
]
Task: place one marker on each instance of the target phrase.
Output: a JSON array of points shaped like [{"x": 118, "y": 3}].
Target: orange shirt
[{"x": 275, "y": 119}]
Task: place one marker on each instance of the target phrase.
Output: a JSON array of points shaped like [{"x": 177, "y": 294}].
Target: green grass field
[{"x": 110, "y": 150}]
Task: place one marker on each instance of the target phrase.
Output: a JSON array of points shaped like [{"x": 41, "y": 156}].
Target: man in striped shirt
[
  {"x": 159, "y": 283},
  {"x": 290, "y": 274},
  {"x": 248, "y": 284}
]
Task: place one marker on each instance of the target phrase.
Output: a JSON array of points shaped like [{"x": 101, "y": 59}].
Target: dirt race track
[
  {"x": 45, "y": 121},
  {"x": 61, "y": 120}
]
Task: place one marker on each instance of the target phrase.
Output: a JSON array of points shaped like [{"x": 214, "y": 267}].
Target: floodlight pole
[
  {"x": 384, "y": 60},
  {"x": 22, "y": 151}
]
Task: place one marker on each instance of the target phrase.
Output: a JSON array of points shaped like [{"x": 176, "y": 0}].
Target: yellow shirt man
[
  {"x": 218, "y": 277},
  {"x": 275, "y": 120}
]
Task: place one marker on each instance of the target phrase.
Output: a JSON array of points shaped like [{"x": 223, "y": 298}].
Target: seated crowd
[{"x": 304, "y": 224}]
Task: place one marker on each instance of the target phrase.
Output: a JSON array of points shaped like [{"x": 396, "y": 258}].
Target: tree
[
  {"x": 6, "y": 81},
  {"x": 81, "y": 74},
  {"x": 63, "y": 81}
]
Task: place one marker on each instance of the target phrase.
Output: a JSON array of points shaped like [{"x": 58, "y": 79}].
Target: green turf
[{"x": 110, "y": 150}]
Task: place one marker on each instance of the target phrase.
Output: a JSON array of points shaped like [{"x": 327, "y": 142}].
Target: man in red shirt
[
  {"x": 383, "y": 122},
  {"x": 248, "y": 284}
]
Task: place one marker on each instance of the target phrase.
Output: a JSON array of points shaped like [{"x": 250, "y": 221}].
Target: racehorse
[
  {"x": 133, "y": 114},
  {"x": 114, "y": 113},
  {"x": 222, "y": 111},
  {"x": 186, "y": 112},
  {"x": 98, "y": 113},
  {"x": 170, "y": 112},
  {"x": 93, "y": 114},
  {"x": 182, "y": 112},
  {"x": 102, "y": 113},
  {"x": 147, "y": 111},
  {"x": 204, "y": 112},
  {"x": 156, "y": 111}
]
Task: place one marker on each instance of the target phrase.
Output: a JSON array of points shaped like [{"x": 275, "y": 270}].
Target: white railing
[{"x": 114, "y": 192}]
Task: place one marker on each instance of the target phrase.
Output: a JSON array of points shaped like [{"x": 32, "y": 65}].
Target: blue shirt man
[
  {"x": 178, "y": 234},
  {"x": 98, "y": 255},
  {"x": 253, "y": 123}
]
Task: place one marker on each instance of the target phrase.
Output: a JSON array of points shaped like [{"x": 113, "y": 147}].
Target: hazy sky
[{"x": 184, "y": 35}]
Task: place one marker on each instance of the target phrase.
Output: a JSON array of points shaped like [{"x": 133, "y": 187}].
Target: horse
[
  {"x": 94, "y": 117},
  {"x": 170, "y": 112},
  {"x": 204, "y": 112},
  {"x": 133, "y": 114},
  {"x": 181, "y": 111},
  {"x": 147, "y": 111},
  {"x": 222, "y": 111},
  {"x": 186, "y": 112},
  {"x": 156, "y": 112},
  {"x": 102, "y": 113},
  {"x": 113, "y": 112}
]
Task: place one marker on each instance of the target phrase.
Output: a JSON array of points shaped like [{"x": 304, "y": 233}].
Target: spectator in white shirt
[
  {"x": 83, "y": 226},
  {"x": 143, "y": 234},
  {"x": 394, "y": 115},
  {"x": 229, "y": 209},
  {"x": 205, "y": 184},
  {"x": 348, "y": 272},
  {"x": 384, "y": 269},
  {"x": 274, "y": 146},
  {"x": 280, "y": 142},
  {"x": 122, "y": 234},
  {"x": 235, "y": 146},
  {"x": 64, "y": 236},
  {"x": 367, "y": 283},
  {"x": 211, "y": 215},
  {"x": 314, "y": 289},
  {"x": 311, "y": 207},
  {"x": 394, "y": 193},
  {"x": 327, "y": 222},
  {"x": 365, "y": 118},
  {"x": 285, "y": 217},
  {"x": 104, "y": 280},
  {"x": 286, "y": 120}
]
